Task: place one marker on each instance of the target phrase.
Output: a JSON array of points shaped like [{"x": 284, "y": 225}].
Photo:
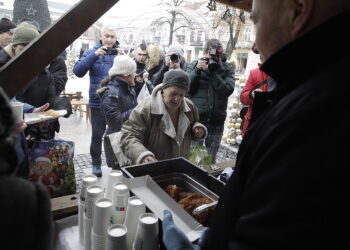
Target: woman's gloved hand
[{"x": 175, "y": 239}]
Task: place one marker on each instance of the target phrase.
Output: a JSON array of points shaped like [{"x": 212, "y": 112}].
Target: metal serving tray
[{"x": 185, "y": 181}]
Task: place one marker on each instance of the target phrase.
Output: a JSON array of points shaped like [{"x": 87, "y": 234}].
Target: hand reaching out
[
  {"x": 149, "y": 159},
  {"x": 42, "y": 108}
]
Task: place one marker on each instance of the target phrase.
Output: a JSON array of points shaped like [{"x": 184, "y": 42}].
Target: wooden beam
[
  {"x": 239, "y": 4},
  {"x": 39, "y": 53}
]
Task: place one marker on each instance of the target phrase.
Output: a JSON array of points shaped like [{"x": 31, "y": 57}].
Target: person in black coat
[
  {"x": 118, "y": 99},
  {"x": 25, "y": 211},
  {"x": 290, "y": 185},
  {"x": 141, "y": 57}
]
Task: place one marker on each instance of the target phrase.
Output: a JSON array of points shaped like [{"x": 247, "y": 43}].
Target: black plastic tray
[{"x": 172, "y": 166}]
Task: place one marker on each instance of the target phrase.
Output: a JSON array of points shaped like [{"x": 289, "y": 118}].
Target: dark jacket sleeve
[
  {"x": 194, "y": 75},
  {"x": 58, "y": 70},
  {"x": 84, "y": 64},
  {"x": 158, "y": 77},
  {"x": 25, "y": 208},
  {"x": 224, "y": 84}
]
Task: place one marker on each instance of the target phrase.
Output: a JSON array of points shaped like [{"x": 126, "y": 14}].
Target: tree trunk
[
  {"x": 36, "y": 10},
  {"x": 172, "y": 25},
  {"x": 234, "y": 34}
]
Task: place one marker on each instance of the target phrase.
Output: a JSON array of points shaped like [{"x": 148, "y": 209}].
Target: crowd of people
[
  {"x": 116, "y": 81},
  {"x": 289, "y": 187}
]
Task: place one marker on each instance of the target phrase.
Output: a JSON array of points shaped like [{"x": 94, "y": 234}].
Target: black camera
[
  {"x": 111, "y": 51},
  {"x": 212, "y": 64},
  {"x": 174, "y": 58}
]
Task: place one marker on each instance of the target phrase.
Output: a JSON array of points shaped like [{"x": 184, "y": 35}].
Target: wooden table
[{"x": 78, "y": 105}]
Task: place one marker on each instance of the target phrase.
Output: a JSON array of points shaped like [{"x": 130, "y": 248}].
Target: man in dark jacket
[
  {"x": 97, "y": 61},
  {"x": 41, "y": 89},
  {"x": 212, "y": 82},
  {"x": 141, "y": 57},
  {"x": 118, "y": 99},
  {"x": 6, "y": 32},
  {"x": 290, "y": 185}
]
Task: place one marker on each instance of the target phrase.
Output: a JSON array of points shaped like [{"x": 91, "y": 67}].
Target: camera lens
[{"x": 174, "y": 58}]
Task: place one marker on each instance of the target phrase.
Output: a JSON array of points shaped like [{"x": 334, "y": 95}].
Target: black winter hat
[
  {"x": 6, "y": 25},
  {"x": 177, "y": 78}
]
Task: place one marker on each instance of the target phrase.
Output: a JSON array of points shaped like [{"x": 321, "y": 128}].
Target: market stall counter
[{"x": 174, "y": 184}]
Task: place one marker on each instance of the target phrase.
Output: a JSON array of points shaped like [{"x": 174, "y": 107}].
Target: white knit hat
[
  {"x": 176, "y": 48},
  {"x": 123, "y": 65}
]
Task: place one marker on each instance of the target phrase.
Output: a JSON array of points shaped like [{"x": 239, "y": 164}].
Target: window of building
[
  {"x": 192, "y": 36},
  {"x": 247, "y": 34},
  {"x": 199, "y": 36}
]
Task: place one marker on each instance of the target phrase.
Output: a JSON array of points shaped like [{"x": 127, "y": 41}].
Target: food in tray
[
  {"x": 51, "y": 112},
  {"x": 189, "y": 201}
]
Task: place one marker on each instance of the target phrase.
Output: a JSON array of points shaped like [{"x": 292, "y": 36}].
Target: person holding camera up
[
  {"x": 174, "y": 59},
  {"x": 212, "y": 82},
  {"x": 98, "y": 61}
]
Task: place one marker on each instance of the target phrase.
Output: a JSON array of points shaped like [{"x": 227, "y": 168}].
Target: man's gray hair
[
  {"x": 212, "y": 43},
  {"x": 109, "y": 28}
]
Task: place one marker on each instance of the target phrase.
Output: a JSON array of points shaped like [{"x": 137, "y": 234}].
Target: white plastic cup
[
  {"x": 87, "y": 233},
  {"x": 116, "y": 237},
  {"x": 102, "y": 216},
  {"x": 134, "y": 209},
  {"x": 94, "y": 192},
  {"x": 114, "y": 177},
  {"x": 81, "y": 211},
  {"x": 98, "y": 242},
  {"x": 17, "y": 110},
  {"x": 120, "y": 195},
  {"x": 147, "y": 233},
  {"x": 88, "y": 180}
]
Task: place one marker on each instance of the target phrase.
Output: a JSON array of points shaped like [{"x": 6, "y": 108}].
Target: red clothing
[{"x": 255, "y": 77}]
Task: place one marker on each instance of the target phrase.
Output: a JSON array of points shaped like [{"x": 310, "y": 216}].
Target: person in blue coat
[
  {"x": 118, "y": 99},
  {"x": 98, "y": 61}
]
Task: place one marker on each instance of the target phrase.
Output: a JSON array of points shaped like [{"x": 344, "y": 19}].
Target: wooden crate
[{"x": 64, "y": 206}]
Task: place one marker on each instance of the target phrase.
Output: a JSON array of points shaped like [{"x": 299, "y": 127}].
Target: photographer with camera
[
  {"x": 212, "y": 82},
  {"x": 98, "y": 61},
  {"x": 174, "y": 59}
]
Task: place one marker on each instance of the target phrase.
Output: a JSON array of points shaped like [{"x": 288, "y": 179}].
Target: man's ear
[{"x": 301, "y": 15}]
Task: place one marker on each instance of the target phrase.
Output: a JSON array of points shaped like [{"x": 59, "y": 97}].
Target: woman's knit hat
[
  {"x": 177, "y": 78},
  {"x": 123, "y": 65},
  {"x": 176, "y": 48},
  {"x": 24, "y": 34}
]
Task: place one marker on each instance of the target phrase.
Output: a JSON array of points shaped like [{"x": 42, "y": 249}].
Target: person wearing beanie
[
  {"x": 163, "y": 124},
  {"x": 6, "y": 32},
  {"x": 24, "y": 34},
  {"x": 98, "y": 62},
  {"x": 174, "y": 59},
  {"x": 118, "y": 99}
]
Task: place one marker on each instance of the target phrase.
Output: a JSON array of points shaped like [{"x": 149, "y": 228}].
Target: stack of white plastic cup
[
  {"x": 88, "y": 180},
  {"x": 134, "y": 209},
  {"x": 114, "y": 177},
  {"x": 116, "y": 237},
  {"x": 101, "y": 221},
  {"x": 147, "y": 233},
  {"x": 94, "y": 192},
  {"x": 121, "y": 195}
]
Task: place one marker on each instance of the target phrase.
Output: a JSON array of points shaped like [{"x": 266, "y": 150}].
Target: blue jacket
[
  {"x": 98, "y": 67},
  {"x": 118, "y": 99}
]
